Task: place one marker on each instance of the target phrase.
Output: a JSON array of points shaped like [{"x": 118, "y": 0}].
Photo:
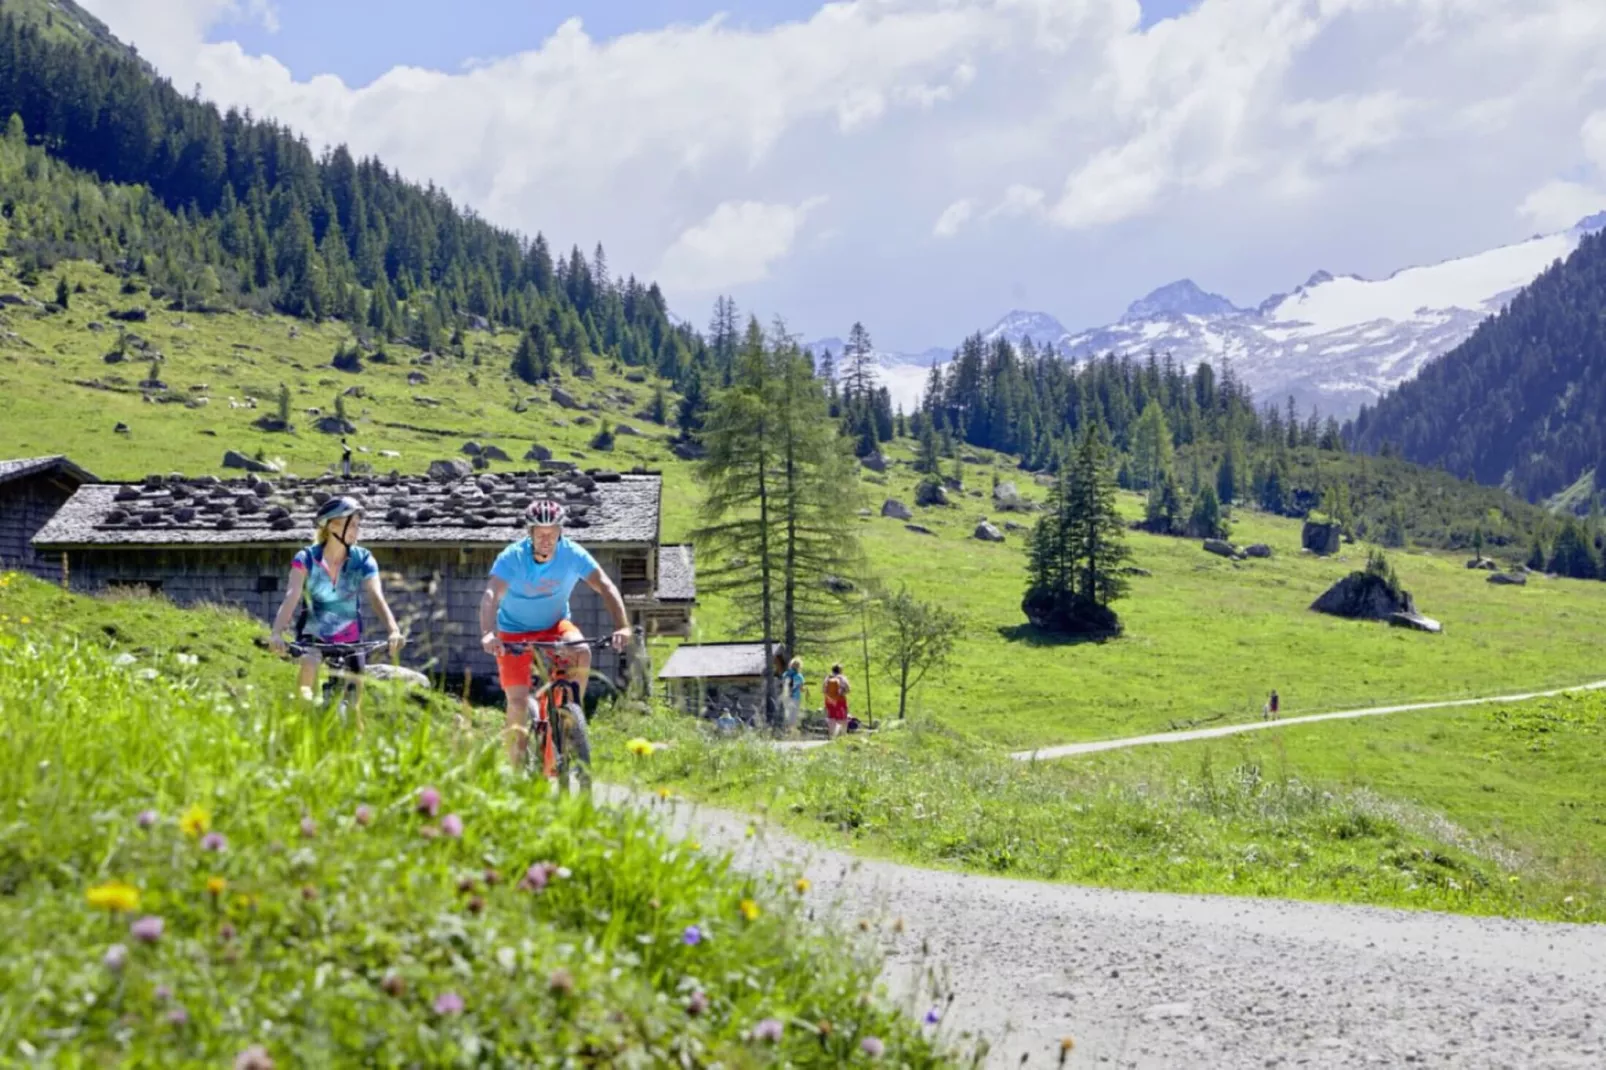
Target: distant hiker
[
  {"x": 345, "y": 459},
  {"x": 1269, "y": 712},
  {"x": 836, "y": 702},
  {"x": 792, "y": 692}
]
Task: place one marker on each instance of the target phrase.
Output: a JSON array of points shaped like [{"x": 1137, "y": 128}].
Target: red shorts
[
  {"x": 836, "y": 710},
  {"x": 514, "y": 670}
]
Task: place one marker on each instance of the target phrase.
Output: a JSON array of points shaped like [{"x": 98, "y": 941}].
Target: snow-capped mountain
[{"x": 1337, "y": 342}]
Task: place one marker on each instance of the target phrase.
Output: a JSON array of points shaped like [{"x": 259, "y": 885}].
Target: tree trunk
[
  {"x": 903, "y": 691},
  {"x": 765, "y": 589}
]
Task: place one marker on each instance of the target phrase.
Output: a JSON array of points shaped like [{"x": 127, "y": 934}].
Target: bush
[{"x": 603, "y": 439}]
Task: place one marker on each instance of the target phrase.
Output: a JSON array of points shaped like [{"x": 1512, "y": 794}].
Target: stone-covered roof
[
  {"x": 29, "y": 466},
  {"x": 714, "y": 661},
  {"x": 677, "y": 573},
  {"x": 604, "y": 508}
]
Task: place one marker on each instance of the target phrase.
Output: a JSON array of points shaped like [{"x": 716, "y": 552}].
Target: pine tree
[
  {"x": 1165, "y": 513},
  {"x": 284, "y": 404},
  {"x": 1206, "y": 521},
  {"x": 1151, "y": 446},
  {"x": 858, "y": 365},
  {"x": 532, "y": 361},
  {"x": 928, "y": 460},
  {"x": 658, "y": 412},
  {"x": 63, "y": 293},
  {"x": 1073, "y": 570}
]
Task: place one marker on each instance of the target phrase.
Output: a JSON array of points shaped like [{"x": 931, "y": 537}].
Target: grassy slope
[
  {"x": 344, "y": 936},
  {"x": 1205, "y": 638}
]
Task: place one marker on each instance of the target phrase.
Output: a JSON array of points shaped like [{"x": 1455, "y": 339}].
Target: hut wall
[{"x": 26, "y": 505}]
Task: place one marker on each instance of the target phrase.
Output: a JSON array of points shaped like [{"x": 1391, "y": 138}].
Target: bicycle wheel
[{"x": 574, "y": 747}]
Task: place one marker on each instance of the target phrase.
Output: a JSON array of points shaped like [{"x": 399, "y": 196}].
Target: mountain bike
[
  {"x": 340, "y": 659},
  {"x": 558, "y": 702}
]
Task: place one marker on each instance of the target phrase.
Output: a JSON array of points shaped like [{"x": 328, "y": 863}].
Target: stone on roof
[
  {"x": 604, "y": 507},
  {"x": 677, "y": 573},
  {"x": 29, "y": 466},
  {"x": 714, "y": 661}
]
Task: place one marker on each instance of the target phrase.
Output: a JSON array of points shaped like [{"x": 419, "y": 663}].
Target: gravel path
[{"x": 1146, "y": 980}]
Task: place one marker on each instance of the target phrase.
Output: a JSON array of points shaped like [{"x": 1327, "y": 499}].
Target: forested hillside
[
  {"x": 224, "y": 208},
  {"x": 1522, "y": 403}
]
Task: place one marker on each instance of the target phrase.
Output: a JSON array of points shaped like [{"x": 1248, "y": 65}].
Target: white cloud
[
  {"x": 736, "y": 244},
  {"x": 1314, "y": 129},
  {"x": 953, "y": 217},
  {"x": 1559, "y": 204}
]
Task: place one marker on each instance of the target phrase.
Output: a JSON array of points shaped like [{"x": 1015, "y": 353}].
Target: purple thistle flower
[
  {"x": 147, "y": 930},
  {"x": 429, "y": 802},
  {"x": 769, "y": 1030},
  {"x": 933, "y": 1016},
  {"x": 692, "y": 936},
  {"x": 178, "y": 1016},
  {"x": 452, "y": 825},
  {"x": 873, "y": 1047},
  {"x": 146, "y": 819},
  {"x": 309, "y": 827},
  {"x": 448, "y": 1003},
  {"x": 164, "y": 993},
  {"x": 364, "y": 815},
  {"x": 214, "y": 841},
  {"x": 536, "y": 877},
  {"x": 697, "y": 1005},
  {"x": 255, "y": 1057},
  {"x": 115, "y": 957}
]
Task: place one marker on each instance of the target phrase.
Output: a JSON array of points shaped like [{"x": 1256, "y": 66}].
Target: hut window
[
  {"x": 267, "y": 584},
  {"x": 633, "y": 574}
]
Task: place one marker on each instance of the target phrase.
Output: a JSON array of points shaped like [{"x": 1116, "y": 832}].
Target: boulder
[
  {"x": 896, "y": 510},
  {"x": 537, "y": 453},
  {"x": 1222, "y": 548},
  {"x": 557, "y": 466},
  {"x": 687, "y": 451},
  {"x": 494, "y": 453},
  {"x": 447, "y": 471},
  {"x": 1363, "y": 596},
  {"x": 970, "y": 458},
  {"x": 919, "y": 530},
  {"x": 635, "y": 377},
  {"x": 1007, "y": 497},
  {"x": 416, "y": 378},
  {"x": 1417, "y": 621},
  {"x": 334, "y": 425},
  {"x": 1483, "y": 563},
  {"x": 583, "y": 421},
  {"x": 875, "y": 462},
  {"x": 837, "y": 585},
  {"x": 1259, "y": 549},
  {"x": 400, "y": 673},
  {"x": 930, "y": 492},
  {"x": 236, "y": 459},
  {"x": 1320, "y": 538},
  {"x": 626, "y": 429},
  {"x": 1133, "y": 570},
  {"x": 389, "y": 453},
  {"x": 567, "y": 400},
  {"x": 478, "y": 323},
  {"x": 120, "y": 429},
  {"x": 471, "y": 448},
  {"x": 1510, "y": 579},
  {"x": 987, "y": 533},
  {"x": 270, "y": 423},
  {"x": 1010, "y": 525}
]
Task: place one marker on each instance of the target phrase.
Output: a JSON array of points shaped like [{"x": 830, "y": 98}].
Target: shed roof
[
  {"x": 714, "y": 661},
  {"x": 677, "y": 573},
  {"x": 604, "y": 508},
  {"x": 31, "y": 466}
]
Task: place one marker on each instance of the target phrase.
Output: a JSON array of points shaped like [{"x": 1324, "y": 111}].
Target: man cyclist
[
  {"x": 527, "y": 600},
  {"x": 326, "y": 582}
]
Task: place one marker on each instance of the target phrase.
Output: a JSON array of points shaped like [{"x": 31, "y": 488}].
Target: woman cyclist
[{"x": 326, "y": 581}]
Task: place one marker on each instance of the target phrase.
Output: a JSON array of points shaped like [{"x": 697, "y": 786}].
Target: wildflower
[
  {"x": 898, "y": 926},
  {"x": 163, "y": 993},
  {"x": 178, "y": 1016},
  {"x": 452, "y": 825},
  {"x": 309, "y": 828},
  {"x": 308, "y": 892},
  {"x": 537, "y": 876},
  {"x": 692, "y": 936},
  {"x": 802, "y": 885},
  {"x": 697, "y": 1004},
  {"x": 873, "y": 1047},
  {"x": 226, "y": 932},
  {"x": 1067, "y": 1045},
  {"x": 214, "y": 841},
  {"x": 255, "y": 1057},
  {"x": 364, "y": 815},
  {"x": 429, "y": 802},
  {"x": 693, "y": 845},
  {"x": 492, "y": 878},
  {"x": 27, "y": 620},
  {"x": 215, "y": 886},
  {"x": 476, "y": 904},
  {"x": 147, "y": 930},
  {"x": 114, "y": 958},
  {"x": 563, "y": 873},
  {"x": 561, "y": 982},
  {"x": 195, "y": 821},
  {"x": 146, "y": 819},
  {"x": 448, "y": 1003},
  {"x": 115, "y": 896},
  {"x": 393, "y": 984},
  {"x": 749, "y": 910},
  {"x": 665, "y": 793},
  {"x": 465, "y": 886},
  {"x": 429, "y": 832},
  {"x": 641, "y": 748},
  {"x": 769, "y": 1030},
  {"x": 933, "y": 1016}
]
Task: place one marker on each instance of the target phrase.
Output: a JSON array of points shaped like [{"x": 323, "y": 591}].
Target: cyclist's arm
[
  {"x": 376, "y": 595},
  {"x": 489, "y": 602},
  {"x": 292, "y": 595},
  {"x": 600, "y": 582}
]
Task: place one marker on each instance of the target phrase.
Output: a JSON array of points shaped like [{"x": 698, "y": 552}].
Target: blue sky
[{"x": 361, "y": 39}]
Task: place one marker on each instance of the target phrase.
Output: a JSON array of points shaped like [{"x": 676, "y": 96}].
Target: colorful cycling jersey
[
  {"x": 538, "y": 593},
  {"x": 333, "y": 606}
]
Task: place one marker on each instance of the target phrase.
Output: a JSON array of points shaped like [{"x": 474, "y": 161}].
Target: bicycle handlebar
[
  {"x": 371, "y": 646},
  {"x": 562, "y": 644}
]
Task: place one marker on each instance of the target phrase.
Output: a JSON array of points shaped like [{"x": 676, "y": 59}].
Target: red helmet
[{"x": 544, "y": 512}]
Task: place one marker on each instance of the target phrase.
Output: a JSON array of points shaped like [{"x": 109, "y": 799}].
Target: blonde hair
[{"x": 797, "y": 663}]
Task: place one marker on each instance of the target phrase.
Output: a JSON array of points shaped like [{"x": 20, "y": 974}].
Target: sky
[{"x": 924, "y": 166}]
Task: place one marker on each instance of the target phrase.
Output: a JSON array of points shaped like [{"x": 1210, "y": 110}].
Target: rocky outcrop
[
  {"x": 1510, "y": 579},
  {"x": 1320, "y": 538},
  {"x": 930, "y": 493},
  {"x": 1259, "y": 549},
  {"x": 1364, "y": 596},
  {"x": 875, "y": 462},
  {"x": 896, "y": 510},
  {"x": 1223, "y": 548},
  {"x": 447, "y": 471},
  {"x": 236, "y": 459},
  {"x": 986, "y": 532}
]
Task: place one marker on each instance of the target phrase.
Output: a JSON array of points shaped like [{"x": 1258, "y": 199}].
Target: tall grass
[{"x": 314, "y": 903}]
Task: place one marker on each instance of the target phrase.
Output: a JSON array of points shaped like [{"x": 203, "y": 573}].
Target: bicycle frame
[
  {"x": 557, "y": 690},
  {"x": 334, "y": 656}
]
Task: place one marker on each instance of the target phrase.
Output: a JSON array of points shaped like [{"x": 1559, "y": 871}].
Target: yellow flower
[
  {"x": 802, "y": 885},
  {"x": 27, "y": 620},
  {"x": 245, "y": 902},
  {"x": 749, "y": 910},
  {"x": 641, "y": 748},
  {"x": 664, "y": 793},
  {"x": 115, "y": 896},
  {"x": 694, "y": 845},
  {"x": 215, "y": 886},
  {"x": 195, "y": 822}
]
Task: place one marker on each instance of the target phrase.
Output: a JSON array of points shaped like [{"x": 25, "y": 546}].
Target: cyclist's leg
[
  {"x": 576, "y": 661},
  {"x": 307, "y": 676},
  {"x": 514, "y": 672}
]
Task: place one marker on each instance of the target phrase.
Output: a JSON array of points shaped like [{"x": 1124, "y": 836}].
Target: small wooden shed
[
  {"x": 31, "y": 491},
  {"x": 704, "y": 678}
]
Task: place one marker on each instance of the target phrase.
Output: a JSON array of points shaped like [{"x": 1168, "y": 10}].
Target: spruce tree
[{"x": 1078, "y": 547}]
